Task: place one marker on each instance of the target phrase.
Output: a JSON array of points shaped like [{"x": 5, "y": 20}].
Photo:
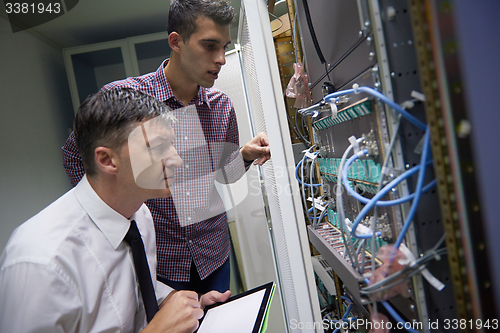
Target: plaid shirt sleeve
[
  {"x": 232, "y": 166},
  {"x": 72, "y": 160}
]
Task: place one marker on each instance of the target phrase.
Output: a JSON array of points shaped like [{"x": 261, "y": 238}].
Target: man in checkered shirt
[{"x": 192, "y": 234}]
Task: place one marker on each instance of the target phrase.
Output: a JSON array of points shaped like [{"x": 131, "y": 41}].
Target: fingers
[
  {"x": 264, "y": 155},
  {"x": 198, "y": 313},
  {"x": 260, "y": 161},
  {"x": 191, "y": 298},
  {"x": 257, "y": 149},
  {"x": 180, "y": 313},
  {"x": 189, "y": 294},
  {"x": 263, "y": 139},
  {"x": 223, "y": 297},
  {"x": 214, "y": 297}
]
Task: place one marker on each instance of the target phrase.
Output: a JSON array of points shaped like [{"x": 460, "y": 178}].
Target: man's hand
[
  {"x": 257, "y": 149},
  {"x": 213, "y": 297},
  {"x": 179, "y": 313}
]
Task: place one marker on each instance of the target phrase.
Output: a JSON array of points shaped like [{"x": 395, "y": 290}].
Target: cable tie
[
  {"x": 418, "y": 95},
  {"x": 355, "y": 88},
  {"x": 407, "y": 104},
  {"x": 333, "y": 106},
  {"x": 318, "y": 204},
  {"x": 437, "y": 257},
  {"x": 310, "y": 155},
  {"x": 355, "y": 144},
  {"x": 420, "y": 146},
  {"x": 410, "y": 258},
  {"x": 431, "y": 279}
]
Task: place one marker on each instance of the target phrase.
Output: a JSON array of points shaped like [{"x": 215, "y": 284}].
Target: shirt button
[
  {"x": 189, "y": 219},
  {"x": 187, "y": 193},
  {"x": 187, "y": 166},
  {"x": 190, "y": 242},
  {"x": 186, "y": 138}
]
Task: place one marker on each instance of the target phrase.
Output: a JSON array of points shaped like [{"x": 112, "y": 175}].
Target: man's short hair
[
  {"x": 106, "y": 119},
  {"x": 184, "y": 13}
]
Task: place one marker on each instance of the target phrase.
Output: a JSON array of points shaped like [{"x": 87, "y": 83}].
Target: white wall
[{"x": 35, "y": 114}]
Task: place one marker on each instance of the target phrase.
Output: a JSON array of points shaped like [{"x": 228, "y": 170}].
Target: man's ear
[
  {"x": 106, "y": 160},
  {"x": 174, "y": 39}
]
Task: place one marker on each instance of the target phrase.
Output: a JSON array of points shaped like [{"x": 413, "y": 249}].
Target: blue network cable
[
  {"x": 375, "y": 201},
  {"x": 356, "y": 89},
  {"x": 394, "y": 314},
  {"x": 386, "y": 189},
  {"x": 321, "y": 215},
  {"x": 346, "y": 313},
  {"x": 349, "y": 308},
  {"x": 298, "y": 178},
  {"x": 398, "y": 318},
  {"x": 370, "y": 203},
  {"x": 418, "y": 191}
]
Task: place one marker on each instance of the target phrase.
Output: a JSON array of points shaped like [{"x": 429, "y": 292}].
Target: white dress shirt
[{"x": 67, "y": 269}]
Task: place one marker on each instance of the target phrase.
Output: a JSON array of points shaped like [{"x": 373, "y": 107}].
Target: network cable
[
  {"x": 340, "y": 208},
  {"x": 413, "y": 268},
  {"x": 330, "y": 98},
  {"x": 342, "y": 58},
  {"x": 346, "y": 313},
  {"x": 375, "y": 201},
  {"x": 402, "y": 275},
  {"x": 295, "y": 128},
  {"x": 418, "y": 191},
  {"x": 311, "y": 186},
  {"x": 386, "y": 189},
  {"x": 397, "y": 317},
  {"x": 370, "y": 203},
  {"x": 303, "y": 187},
  {"x": 373, "y": 225},
  {"x": 311, "y": 173},
  {"x": 355, "y": 90},
  {"x": 298, "y": 178}
]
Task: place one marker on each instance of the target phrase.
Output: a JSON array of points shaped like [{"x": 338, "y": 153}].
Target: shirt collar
[
  {"x": 163, "y": 90},
  {"x": 111, "y": 223}
]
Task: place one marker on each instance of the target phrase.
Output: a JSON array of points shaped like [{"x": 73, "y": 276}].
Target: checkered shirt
[{"x": 192, "y": 224}]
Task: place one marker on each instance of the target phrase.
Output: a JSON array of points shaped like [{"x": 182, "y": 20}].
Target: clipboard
[{"x": 243, "y": 313}]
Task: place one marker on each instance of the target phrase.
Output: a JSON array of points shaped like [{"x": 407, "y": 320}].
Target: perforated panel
[
  {"x": 281, "y": 195},
  {"x": 268, "y": 172},
  {"x": 249, "y": 215}
]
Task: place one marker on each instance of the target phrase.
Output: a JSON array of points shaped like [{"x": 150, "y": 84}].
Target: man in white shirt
[{"x": 68, "y": 268}]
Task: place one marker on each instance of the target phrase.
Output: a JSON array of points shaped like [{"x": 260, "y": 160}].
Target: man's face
[
  {"x": 153, "y": 157},
  {"x": 203, "y": 55}
]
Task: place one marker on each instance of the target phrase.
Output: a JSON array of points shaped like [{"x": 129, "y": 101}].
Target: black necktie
[{"x": 133, "y": 238}]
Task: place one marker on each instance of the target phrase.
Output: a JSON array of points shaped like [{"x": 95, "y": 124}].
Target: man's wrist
[{"x": 241, "y": 154}]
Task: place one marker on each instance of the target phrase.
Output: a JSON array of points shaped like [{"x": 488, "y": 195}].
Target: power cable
[
  {"x": 342, "y": 58},
  {"x": 313, "y": 34}
]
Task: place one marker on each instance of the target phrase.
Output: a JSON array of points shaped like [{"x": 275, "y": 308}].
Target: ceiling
[{"x": 94, "y": 21}]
